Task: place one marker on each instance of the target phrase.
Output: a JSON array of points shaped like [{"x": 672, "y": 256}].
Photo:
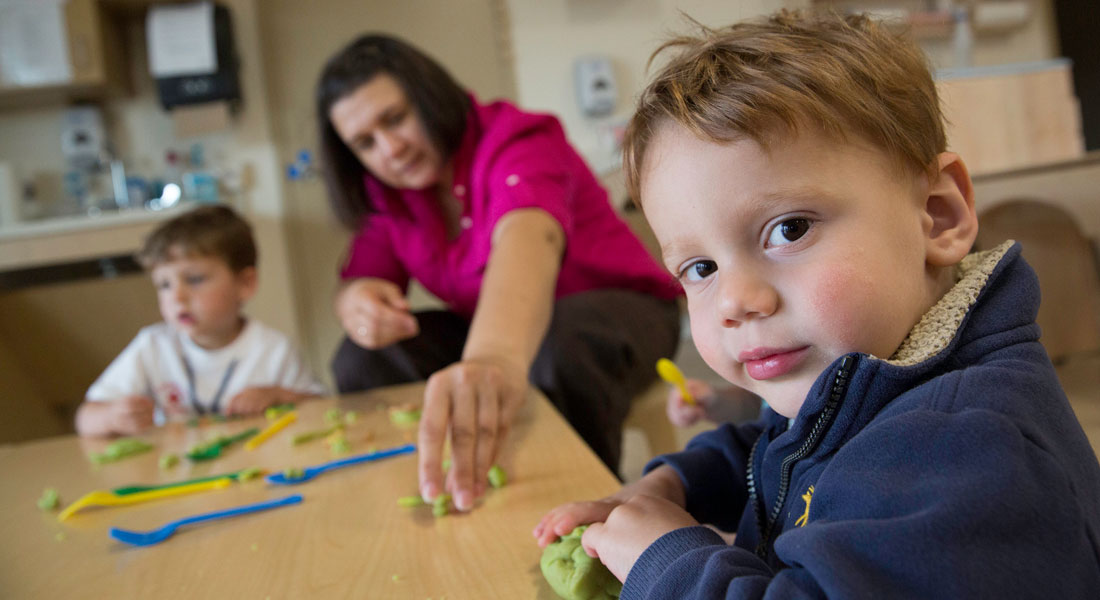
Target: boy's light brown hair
[
  {"x": 769, "y": 79},
  {"x": 214, "y": 231}
]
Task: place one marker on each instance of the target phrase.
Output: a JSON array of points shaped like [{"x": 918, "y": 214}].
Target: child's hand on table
[
  {"x": 254, "y": 400},
  {"x": 130, "y": 414},
  {"x": 632, "y": 527},
  {"x": 626, "y": 522},
  {"x": 563, "y": 519}
]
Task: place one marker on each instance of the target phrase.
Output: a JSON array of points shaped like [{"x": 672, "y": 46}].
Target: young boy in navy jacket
[{"x": 917, "y": 444}]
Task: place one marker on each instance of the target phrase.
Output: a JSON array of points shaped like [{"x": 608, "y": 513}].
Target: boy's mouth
[
  {"x": 766, "y": 363},
  {"x": 185, "y": 319}
]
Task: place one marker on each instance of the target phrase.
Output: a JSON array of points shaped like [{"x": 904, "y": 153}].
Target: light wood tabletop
[{"x": 347, "y": 539}]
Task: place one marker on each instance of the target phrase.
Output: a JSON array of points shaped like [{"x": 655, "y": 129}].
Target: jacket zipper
[{"x": 765, "y": 522}]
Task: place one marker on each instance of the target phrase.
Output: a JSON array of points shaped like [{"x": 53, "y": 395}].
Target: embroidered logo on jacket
[{"x": 809, "y": 495}]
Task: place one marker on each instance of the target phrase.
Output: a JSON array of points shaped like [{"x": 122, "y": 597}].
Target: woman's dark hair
[{"x": 438, "y": 100}]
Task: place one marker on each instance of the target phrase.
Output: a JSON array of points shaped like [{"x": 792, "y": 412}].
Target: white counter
[{"x": 76, "y": 238}]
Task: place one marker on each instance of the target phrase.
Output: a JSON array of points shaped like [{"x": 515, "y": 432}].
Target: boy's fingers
[{"x": 590, "y": 538}]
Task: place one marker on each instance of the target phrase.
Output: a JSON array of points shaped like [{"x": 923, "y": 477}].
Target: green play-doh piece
[
  {"x": 497, "y": 476},
  {"x": 49, "y": 499},
  {"x": 410, "y": 501},
  {"x": 120, "y": 449},
  {"x": 274, "y": 412},
  {"x": 440, "y": 506},
  {"x": 339, "y": 446},
  {"x": 332, "y": 416},
  {"x": 309, "y": 436},
  {"x": 249, "y": 474},
  {"x": 405, "y": 417},
  {"x": 167, "y": 461},
  {"x": 351, "y": 417},
  {"x": 575, "y": 575},
  {"x": 293, "y": 473}
]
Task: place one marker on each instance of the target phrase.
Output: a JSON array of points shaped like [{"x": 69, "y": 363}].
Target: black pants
[{"x": 598, "y": 354}]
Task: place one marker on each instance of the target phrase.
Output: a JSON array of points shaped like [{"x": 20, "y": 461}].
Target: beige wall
[
  {"x": 549, "y": 35},
  {"x": 467, "y": 36}
]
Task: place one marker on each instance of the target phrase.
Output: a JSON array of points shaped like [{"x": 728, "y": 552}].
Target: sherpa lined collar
[{"x": 940, "y": 324}]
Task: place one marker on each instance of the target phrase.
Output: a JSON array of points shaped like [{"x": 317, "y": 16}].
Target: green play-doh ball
[{"x": 573, "y": 574}]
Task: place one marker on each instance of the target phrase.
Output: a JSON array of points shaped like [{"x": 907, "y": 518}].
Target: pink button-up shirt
[{"x": 508, "y": 159}]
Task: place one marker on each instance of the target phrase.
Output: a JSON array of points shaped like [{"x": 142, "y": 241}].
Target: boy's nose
[{"x": 745, "y": 296}]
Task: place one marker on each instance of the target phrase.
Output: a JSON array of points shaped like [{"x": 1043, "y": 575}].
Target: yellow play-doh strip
[
  {"x": 271, "y": 430},
  {"x": 106, "y": 498}
]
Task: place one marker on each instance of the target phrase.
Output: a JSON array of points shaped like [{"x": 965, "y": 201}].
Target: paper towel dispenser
[{"x": 192, "y": 56}]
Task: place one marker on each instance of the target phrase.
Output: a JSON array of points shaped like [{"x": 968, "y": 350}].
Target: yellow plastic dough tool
[
  {"x": 672, "y": 374},
  {"x": 106, "y": 498},
  {"x": 271, "y": 430}
]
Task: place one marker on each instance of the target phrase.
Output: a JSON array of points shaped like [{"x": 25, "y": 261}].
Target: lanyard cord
[{"x": 215, "y": 404}]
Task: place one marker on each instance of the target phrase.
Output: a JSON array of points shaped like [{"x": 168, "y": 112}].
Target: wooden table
[{"x": 347, "y": 539}]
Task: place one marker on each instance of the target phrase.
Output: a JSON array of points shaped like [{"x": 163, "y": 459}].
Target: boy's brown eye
[
  {"x": 788, "y": 231},
  {"x": 795, "y": 228}
]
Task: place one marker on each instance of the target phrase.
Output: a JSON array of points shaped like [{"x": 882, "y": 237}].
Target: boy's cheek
[{"x": 837, "y": 304}]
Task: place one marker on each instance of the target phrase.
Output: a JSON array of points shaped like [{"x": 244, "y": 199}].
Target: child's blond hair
[
  {"x": 769, "y": 79},
  {"x": 214, "y": 231}
]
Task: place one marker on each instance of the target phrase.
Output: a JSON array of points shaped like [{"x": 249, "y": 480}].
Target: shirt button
[
  {"x": 512, "y": 180},
  {"x": 465, "y": 222},
  {"x": 460, "y": 190}
]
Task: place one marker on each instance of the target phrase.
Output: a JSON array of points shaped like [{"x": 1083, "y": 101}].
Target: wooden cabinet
[{"x": 95, "y": 49}]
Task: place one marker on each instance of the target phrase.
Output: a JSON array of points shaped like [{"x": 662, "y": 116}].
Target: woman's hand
[
  {"x": 374, "y": 313},
  {"x": 475, "y": 401}
]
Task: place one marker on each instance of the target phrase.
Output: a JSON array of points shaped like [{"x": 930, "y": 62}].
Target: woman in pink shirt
[{"x": 491, "y": 210}]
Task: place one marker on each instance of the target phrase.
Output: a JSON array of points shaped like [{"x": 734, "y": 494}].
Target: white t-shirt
[{"x": 167, "y": 366}]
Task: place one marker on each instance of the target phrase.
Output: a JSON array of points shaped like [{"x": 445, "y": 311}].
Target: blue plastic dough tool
[
  {"x": 311, "y": 472},
  {"x": 156, "y": 536}
]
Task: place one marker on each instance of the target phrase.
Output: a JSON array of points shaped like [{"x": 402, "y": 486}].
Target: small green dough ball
[
  {"x": 293, "y": 473},
  {"x": 49, "y": 499},
  {"x": 249, "y": 474},
  {"x": 167, "y": 461},
  {"x": 573, "y": 574},
  {"x": 497, "y": 477}
]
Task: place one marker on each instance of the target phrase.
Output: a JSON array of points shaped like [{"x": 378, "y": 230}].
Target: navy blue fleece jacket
[{"x": 955, "y": 469}]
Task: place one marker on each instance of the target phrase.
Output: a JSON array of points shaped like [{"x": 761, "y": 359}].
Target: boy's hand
[
  {"x": 254, "y": 400},
  {"x": 632, "y": 527},
  {"x": 682, "y": 414},
  {"x": 375, "y": 313},
  {"x": 563, "y": 519},
  {"x": 130, "y": 414}
]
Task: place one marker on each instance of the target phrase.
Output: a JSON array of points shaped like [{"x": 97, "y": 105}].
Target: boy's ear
[
  {"x": 950, "y": 221},
  {"x": 247, "y": 282}
]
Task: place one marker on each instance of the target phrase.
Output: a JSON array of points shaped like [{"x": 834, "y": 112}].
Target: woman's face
[{"x": 382, "y": 128}]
